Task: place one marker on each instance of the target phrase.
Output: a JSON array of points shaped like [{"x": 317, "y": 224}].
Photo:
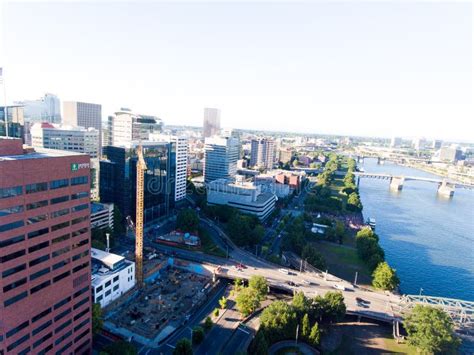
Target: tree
[
  {"x": 431, "y": 330},
  {"x": 216, "y": 312},
  {"x": 260, "y": 345},
  {"x": 183, "y": 347},
  {"x": 187, "y": 220},
  {"x": 198, "y": 335},
  {"x": 305, "y": 327},
  {"x": 336, "y": 306},
  {"x": 208, "y": 324},
  {"x": 315, "y": 335},
  {"x": 301, "y": 303},
  {"x": 223, "y": 302},
  {"x": 279, "y": 321},
  {"x": 259, "y": 284},
  {"x": 384, "y": 277},
  {"x": 353, "y": 202},
  {"x": 247, "y": 301},
  {"x": 340, "y": 231},
  {"x": 238, "y": 284},
  {"x": 120, "y": 347},
  {"x": 97, "y": 321},
  {"x": 314, "y": 258}
]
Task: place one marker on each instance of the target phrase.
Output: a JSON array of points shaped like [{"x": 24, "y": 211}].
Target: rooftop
[{"x": 105, "y": 258}]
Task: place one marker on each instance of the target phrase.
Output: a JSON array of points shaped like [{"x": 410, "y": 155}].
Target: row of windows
[{"x": 42, "y": 186}]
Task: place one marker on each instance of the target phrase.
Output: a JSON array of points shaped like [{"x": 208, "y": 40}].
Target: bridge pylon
[{"x": 396, "y": 183}]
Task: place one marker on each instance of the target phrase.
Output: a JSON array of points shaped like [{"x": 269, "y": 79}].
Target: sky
[{"x": 352, "y": 68}]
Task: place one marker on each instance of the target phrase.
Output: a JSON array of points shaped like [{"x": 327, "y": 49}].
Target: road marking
[
  {"x": 171, "y": 346},
  {"x": 246, "y": 332}
]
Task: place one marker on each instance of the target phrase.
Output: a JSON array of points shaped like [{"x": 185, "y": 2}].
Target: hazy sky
[{"x": 360, "y": 68}]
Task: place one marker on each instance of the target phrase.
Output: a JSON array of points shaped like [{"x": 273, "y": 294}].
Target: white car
[
  {"x": 339, "y": 287},
  {"x": 284, "y": 271}
]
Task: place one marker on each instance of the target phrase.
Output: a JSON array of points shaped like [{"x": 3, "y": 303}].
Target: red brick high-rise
[{"x": 45, "y": 303}]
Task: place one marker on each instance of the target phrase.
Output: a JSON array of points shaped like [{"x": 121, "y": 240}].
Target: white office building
[
  {"x": 62, "y": 137},
  {"x": 112, "y": 276},
  {"x": 83, "y": 114},
  {"x": 245, "y": 196},
  {"x": 220, "y": 157},
  {"x": 102, "y": 215},
  {"x": 44, "y": 109},
  {"x": 182, "y": 148},
  {"x": 126, "y": 126}
]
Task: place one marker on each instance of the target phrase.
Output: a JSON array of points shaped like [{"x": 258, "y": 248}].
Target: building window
[
  {"x": 59, "y": 199},
  {"x": 40, "y": 286},
  {"x": 80, "y": 303},
  {"x": 60, "y": 213},
  {"x": 79, "y": 315},
  {"x": 42, "y": 340},
  {"x": 14, "y": 270},
  {"x": 14, "y": 285},
  {"x": 39, "y": 260},
  {"x": 18, "y": 342},
  {"x": 79, "y": 195},
  {"x": 41, "y": 327},
  {"x": 61, "y": 264},
  {"x": 116, "y": 287},
  {"x": 41, "y": 315},
  {"x": 57, "y": 184},
  {"x": 15, "y": 299},
  {"x": 17, "y": 329},
  {"x": 59, "y": 226},
  {"x": 79, "y": 220},
  {"x": 61, "y": 276},
  {"x": 61, "y": 251},
  {"x": 79, "y": 232},
  {"x": 81, "y": 291},
  {"x": 116, "y": 278},
  {"x": 38, "y": 233},
  {"x": 107, "y": 293},
  {"x": 80, "y": 244},
  {"x": 40, "y": 273},
  {"x": 60, "y": 239},
  {"x": 10, "y": 226},
  {"x": 12, "y": 256},
  {"x": 62, "y": 303},
  {"x": 34, "y": 205},
  {"x": 80, "y": 207},
  {"x": 11, "y": 192},
  {"x": 80, "y": 267},
  {"x": 107, "y": 284},
  {"x": 11, "y": 241},
  {"x": 62, "y": 326},
  {"x": 11, "y": 210},
  {"x": 62, "y": 314},
  {"x": 79, "y": 180},
  {"x": 98, "y": 299},
  {"x": 38, "y": 247},
  {"x": 38, "y": 187}
]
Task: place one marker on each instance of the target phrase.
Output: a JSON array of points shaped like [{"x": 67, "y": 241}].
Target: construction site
[{"x": 162, "y": 305}]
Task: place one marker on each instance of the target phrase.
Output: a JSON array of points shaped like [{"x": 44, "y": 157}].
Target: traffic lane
[
  {"x": 240, "y": 338},
  {"x": 220, "y": 333},
  {"x": 194, "y": 320}
]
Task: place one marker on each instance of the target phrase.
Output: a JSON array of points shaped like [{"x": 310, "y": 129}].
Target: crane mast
[{"x": 141, "y": 167}]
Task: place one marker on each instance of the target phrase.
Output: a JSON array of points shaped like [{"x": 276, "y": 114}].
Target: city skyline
[{"x": 282, "y": 64}]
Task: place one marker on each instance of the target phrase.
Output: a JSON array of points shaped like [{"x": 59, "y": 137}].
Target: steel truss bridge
[{"x": 461, "y": 312}]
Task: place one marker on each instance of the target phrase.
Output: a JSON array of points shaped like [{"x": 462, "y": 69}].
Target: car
[
  {"x": 307, "y": 282},
  {"x": 291, "y": 283},
  {"x": 339, "y": 287},
  {"x": 284, "y": 271}
]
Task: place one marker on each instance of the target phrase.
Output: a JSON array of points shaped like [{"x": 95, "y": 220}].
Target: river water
[{"x": 427, "y": 238}]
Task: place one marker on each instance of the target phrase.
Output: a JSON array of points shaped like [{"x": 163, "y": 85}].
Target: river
[{"x": 427, "y": 238}]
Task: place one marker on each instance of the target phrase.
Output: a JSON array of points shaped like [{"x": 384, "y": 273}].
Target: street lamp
[{"x": 421, "y": 290}]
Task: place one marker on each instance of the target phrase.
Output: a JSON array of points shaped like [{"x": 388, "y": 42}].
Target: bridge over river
[{"x": 445, "y": 187}]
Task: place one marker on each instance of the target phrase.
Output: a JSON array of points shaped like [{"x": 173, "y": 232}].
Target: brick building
[{"x": 45, "y": 298}]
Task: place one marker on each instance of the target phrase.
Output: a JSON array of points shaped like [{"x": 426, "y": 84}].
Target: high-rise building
[
  {"x": 262, "y": 153},
  {"x": 212, "y": 122},
  {"x": 63, "y": 137},
  {"x": 220, "y": 157},
  {"x": 12, "y": 122},
  {"x": 419, "y": 143},
  {"x": 118, "y": 178},
  {"x": 396, "y": 142},
  {"x": 450, "y": 154},
  {"x": 45, "y": 306},
  {"x": 285, "y": 155},
  {"x": 181, "y": 162},
  {"x": 83, "y": 114},
  {"x": 126, "y": 127},
  {"x": 437, "y": 144},
  {"x": 44, "y": 109}
]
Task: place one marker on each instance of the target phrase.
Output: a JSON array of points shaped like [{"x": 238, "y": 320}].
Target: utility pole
[
  {"x": 355, "y": 279},
  {"x": 297, "y": 330}
]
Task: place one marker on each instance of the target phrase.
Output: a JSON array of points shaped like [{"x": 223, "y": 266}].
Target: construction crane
[{"x": 141, "y": 167}]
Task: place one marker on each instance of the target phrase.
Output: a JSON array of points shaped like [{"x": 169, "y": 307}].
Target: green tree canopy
[
  {"x": 97, "y": 321},
  {"x": 315, "y": 335},
  {"x": 247, "y": 301},
  {"x": 305, "y": 327},
  {"x": 183, "y": 347},
  {"x": 259, "y": 284},
  {"x": 187, "y": 220},
  {"x": 384, "y": 277},
  {"x": 198, "y": 335},
  {"x": 431, "y": 330},
  {"x": 314, "y": 258},
  {"x": 301, "y": 303},
  {"x": 279, "y": 321}
]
